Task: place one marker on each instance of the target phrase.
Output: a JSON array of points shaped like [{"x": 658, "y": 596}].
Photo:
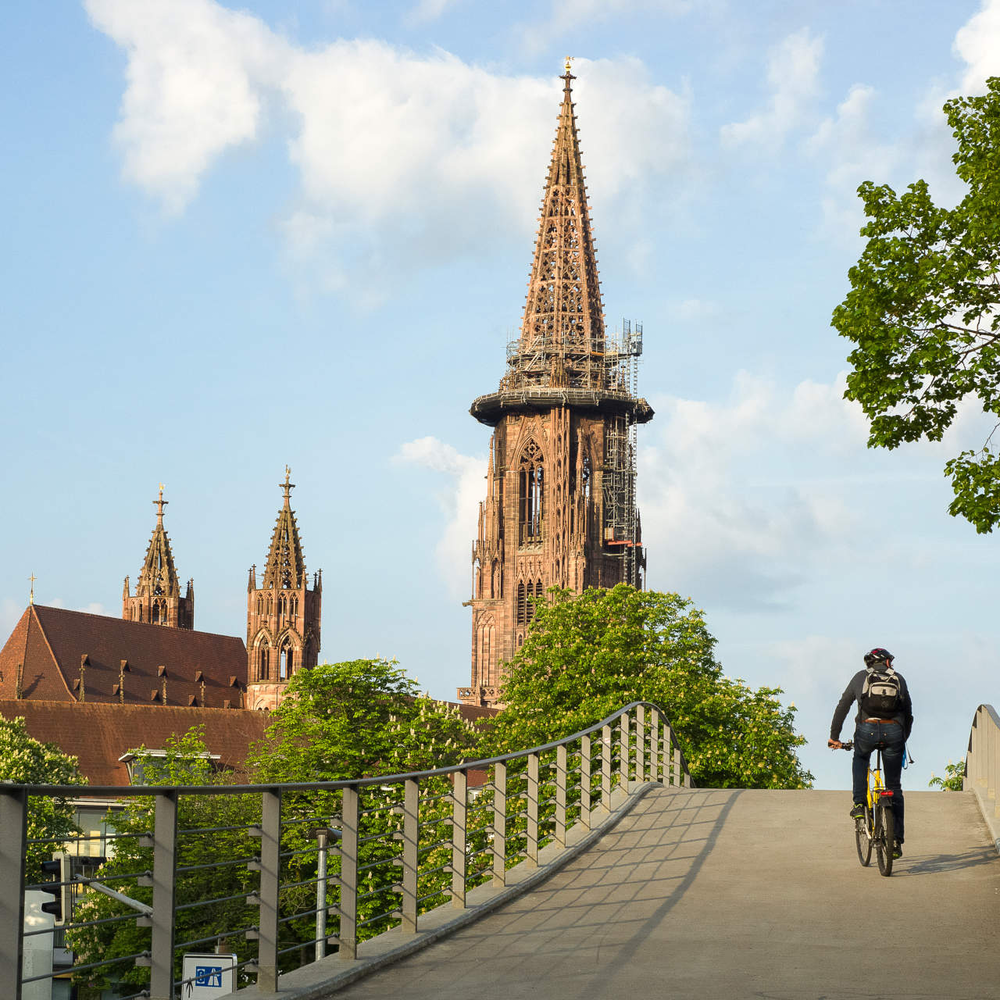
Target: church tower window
[{"x": 530, "y": 494}]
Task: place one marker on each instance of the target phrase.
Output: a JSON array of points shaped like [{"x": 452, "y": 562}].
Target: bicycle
[{"x": 877, "y": 828}]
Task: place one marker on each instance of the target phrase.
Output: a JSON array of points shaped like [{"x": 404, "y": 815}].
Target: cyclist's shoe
[
  {"x": 897, "y": 850},
  {"x": 858, "y": 812}
]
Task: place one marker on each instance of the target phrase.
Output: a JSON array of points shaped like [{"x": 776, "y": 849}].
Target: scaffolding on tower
[{"x": 621, "y": 527}]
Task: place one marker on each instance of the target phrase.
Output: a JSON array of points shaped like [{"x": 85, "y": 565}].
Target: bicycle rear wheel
[
  {"x": 863, "y": 839},
  {"x": 885, "y": 837}
]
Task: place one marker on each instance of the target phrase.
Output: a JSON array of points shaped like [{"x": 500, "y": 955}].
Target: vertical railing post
[
  {"x": 499, "y": 825},
  {"x": 532, "y": 832},
  {"x": 640, "y": 743},
  {"x": 270, "y": 879},
  {"x": 561, "y": 794},
  {"x": 625, "y": 752},
  {"x": 459, "y": 795},
  {"x": 348, "y": 936},
  {"x": 411, "y": 853},
  {"x": 13, "y": 848},
  {"x": 668, "y": 756},
  {"x": 606, "y": 767},
  {"x": 585, "y": 751},
  {"x": 655, "y": 755},
  {"x": 322, "y": 837},
  {"x": 161, "y": 973}
]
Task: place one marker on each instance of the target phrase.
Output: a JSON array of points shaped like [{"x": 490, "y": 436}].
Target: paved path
[{"x": 730, "y": 894}]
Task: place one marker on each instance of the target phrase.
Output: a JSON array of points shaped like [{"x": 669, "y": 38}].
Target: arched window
[
  {"x": 522, "y": 604},
  {"x": 286, "y": 660},
  {"x": 295, "y": 605},
  {"x": 159, "y": 613},
  {"x": 530, "y": 494},
  {"x": 486, "y": 650},
  {"x": 263, "y": 652}
]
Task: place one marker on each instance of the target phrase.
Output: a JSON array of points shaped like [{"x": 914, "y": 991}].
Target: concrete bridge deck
[{"x": 731, "y": 894}]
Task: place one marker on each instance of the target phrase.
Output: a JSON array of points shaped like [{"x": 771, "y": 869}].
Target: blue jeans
[{"x": 889, "y": 735}]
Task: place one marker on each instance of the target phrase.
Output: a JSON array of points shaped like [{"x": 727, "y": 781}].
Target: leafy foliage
[
  {"x": 350, "y": 720},
  {"x": 953, "y": 780},
  {"x": 586, "y": 656},
  {"x": 186, "y": 762},
  {"x": 26, "y": 761},
  {"x": 355, "y": 719},
  {"x": 923, "y": 309}
]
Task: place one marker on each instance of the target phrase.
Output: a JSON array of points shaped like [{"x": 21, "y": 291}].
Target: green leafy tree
[
  {"x": 357, "y": 719},
  {"x": 953, "y": 780},
  {"x": 26, "y": 761},
  {"x": 185, "y": 762},
  {"x": 923, "y": 309},
  {"x": 587, "y": 656}
]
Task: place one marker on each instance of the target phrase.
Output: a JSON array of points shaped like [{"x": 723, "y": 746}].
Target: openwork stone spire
[
  {"x": 283, "y": 613},
  {"x": 562, "y": 332},
  {"x": 285, "y": 569},
  {"x": 157, "y": 591}
]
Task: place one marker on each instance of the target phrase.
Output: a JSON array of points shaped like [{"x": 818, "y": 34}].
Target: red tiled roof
[
  {"x": 98, "y": 734},
  {"x": 51, "y": 643}
]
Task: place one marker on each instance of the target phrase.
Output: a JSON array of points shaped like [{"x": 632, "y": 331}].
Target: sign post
[{"x": 208, "y": 976}]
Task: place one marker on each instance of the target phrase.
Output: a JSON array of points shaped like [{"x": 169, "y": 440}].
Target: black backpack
[{"x": 882, "y": 694}]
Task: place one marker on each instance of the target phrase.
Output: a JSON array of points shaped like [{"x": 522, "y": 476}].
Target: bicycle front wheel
[
  {"x": 885, "y": 837},
  {"x": 863, "y": 838}
]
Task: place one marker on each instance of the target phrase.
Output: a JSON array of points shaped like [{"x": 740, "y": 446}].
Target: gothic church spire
[
  {"x": 283, "y": 613},
  {"x": 285, "y": 568},
  {"x": 157, "y": 591},
  {"x": 562, "y": 330}
]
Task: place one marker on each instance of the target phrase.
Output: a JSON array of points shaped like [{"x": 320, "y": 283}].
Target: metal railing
[
  {"x": 311, "y": 866},
  {"x": 982, "y": 766}
]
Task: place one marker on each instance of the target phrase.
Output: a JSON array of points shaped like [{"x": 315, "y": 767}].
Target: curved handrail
[
  {"x": 558, "y": 803},
  {"x": 118, "y": 791},
  {"x": 982, "y": 766}
]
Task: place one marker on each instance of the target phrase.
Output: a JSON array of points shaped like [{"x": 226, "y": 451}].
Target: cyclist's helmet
[{"x": 878, "y": 655}]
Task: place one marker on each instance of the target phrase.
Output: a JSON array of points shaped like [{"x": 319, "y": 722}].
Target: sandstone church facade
[{"x": 560, "y": 485}]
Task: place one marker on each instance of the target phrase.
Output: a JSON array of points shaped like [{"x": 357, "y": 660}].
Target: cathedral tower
[
  {"x": 157, "y": 591},
  {"x": 283, "y": 614},
  {"x": 560, "y": 491}
]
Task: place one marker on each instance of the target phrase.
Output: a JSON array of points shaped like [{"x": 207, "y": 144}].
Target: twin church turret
[{"x": 283, "y": 612}]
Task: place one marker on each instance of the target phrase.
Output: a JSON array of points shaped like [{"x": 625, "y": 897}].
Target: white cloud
[
  {"x": 403, "y": 160},
  {"x": 855, "y": 151},
  {"x": 569, "y": 17},
  {"x": 733, "y": 495},
  {"x": 430, "y": 10},
  {"x": 459, "y": 502},
  {"x": 792, "y": 77},
  {"x": 195, "y": 72},
  {"x": 977, "y": 43}
]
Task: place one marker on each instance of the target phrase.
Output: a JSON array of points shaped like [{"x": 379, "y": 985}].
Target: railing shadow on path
[{"x": 615, "y": 895}]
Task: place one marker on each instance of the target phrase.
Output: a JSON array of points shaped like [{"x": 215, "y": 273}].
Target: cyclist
[{"x": 878, "y": 722}]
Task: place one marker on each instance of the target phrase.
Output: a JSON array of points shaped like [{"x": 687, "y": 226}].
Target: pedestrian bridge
[
  {"x": 715, "y": 893},
  {"x": 583, "y": 869}
]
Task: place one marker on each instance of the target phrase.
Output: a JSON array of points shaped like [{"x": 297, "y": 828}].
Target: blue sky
[{"x": 300, "y": 232}]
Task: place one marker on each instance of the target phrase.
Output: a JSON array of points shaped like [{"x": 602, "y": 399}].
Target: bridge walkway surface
[{"x": 725, "y": 893}]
